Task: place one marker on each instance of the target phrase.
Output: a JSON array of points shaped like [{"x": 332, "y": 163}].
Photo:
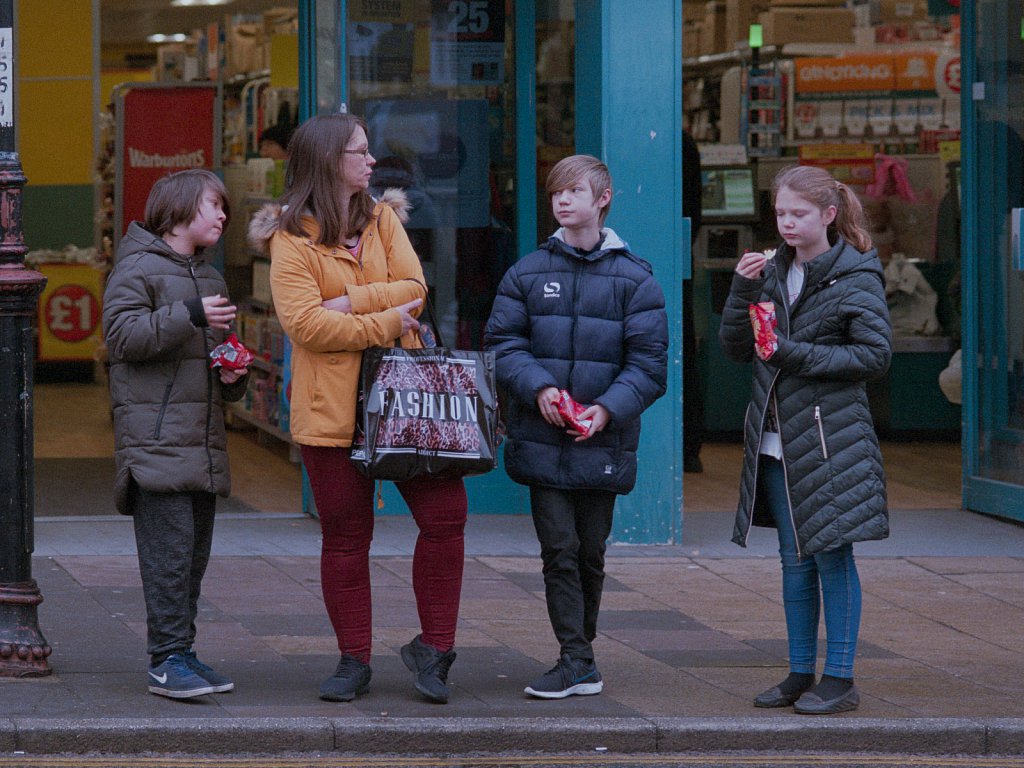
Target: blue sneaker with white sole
[
  {"x": 175, "y": 679},
  {"x": 220, "y": 683},
  {"x": 569, "y": 677}
]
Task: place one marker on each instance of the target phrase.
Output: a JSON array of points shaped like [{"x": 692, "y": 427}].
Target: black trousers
[
  {"x": 173, "y": 536},
  {"x": 573, "y": 528}
]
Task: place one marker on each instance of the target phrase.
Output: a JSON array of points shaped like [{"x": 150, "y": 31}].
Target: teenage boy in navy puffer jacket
[{"x": 584, "y": 315}]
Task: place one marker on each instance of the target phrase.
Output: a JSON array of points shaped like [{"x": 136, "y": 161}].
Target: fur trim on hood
[{"x": 266, "y": 221}]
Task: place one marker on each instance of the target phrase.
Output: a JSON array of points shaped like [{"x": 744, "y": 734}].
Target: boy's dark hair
[
  {"x": 572, "y": 169},
  {"x": 279, "y": 134},
  {"x": 175, "y": 199}
]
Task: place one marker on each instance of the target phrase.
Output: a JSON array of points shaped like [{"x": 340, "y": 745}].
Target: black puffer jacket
[
  {"x": 593, "y": 324},
  {"x": 831, "y": 341},
  {"x": 168, "y": 420}
]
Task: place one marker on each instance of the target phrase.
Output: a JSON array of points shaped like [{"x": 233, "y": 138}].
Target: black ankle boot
[{"x": 431, "y": 667}]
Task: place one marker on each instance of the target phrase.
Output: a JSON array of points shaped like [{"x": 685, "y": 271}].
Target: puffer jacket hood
[
  {"x": 833, "y": 339},
  {"x": 168, "y": 420},
  {"x": 595, "y": 325}
]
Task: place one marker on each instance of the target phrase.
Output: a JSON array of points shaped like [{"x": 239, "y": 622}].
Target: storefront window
[
  {"x": 556, "y": 99},
  {"x": 999, "y": 104},
  {"x": 433, "y": 80}
]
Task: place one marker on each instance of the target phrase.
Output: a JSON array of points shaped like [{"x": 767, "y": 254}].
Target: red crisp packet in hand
[
  {"x": 231, "y": 354},
  {"x": 763, "y": 320},
  {"x": 570, "y": 410}
]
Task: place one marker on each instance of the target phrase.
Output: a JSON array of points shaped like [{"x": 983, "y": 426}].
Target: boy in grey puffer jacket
[{"x": 164, "y": 310}]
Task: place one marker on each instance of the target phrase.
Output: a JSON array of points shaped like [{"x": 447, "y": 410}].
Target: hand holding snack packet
[
  {"x": 570, "y": 410},
  {"x": 231, "y": 354},
  {"x": 764, "y": 322}
]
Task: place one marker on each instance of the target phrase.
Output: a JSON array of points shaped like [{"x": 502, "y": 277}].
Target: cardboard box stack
[
  {"x": 712, "y": 31},
  {"x": 739, "y": 15},
  {"x": 693, "y": 20},
  {"x": 807, "y": 21}
]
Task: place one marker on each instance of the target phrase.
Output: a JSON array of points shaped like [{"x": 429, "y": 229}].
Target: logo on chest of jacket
[
  {"x": 552, "y": 290},
  {"x": 608, "y": 469}
]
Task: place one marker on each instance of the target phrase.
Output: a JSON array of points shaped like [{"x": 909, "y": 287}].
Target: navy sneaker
[
  {"x": 350, "y": 679},
  {"x": 569, "y": 677},
  {"x": 220, "y": 683},
  {"x": 431, "y": 667},
  {"x": 174, "y": 678}
]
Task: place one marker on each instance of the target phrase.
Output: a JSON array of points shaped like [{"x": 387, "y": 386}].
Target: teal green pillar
[{"x": 629, "y": 113}]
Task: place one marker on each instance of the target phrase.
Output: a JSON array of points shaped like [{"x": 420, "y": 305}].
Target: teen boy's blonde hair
[{"x": 570, "y": 170}]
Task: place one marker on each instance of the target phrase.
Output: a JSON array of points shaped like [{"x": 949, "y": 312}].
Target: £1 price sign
[{"x": 69, "y": 312}]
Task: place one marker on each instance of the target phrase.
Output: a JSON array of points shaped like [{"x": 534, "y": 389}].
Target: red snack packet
[
  {"x": 570, "y": 410},
  {"x": 231, "y": 354},
  {"x": 763, "y": 321}
]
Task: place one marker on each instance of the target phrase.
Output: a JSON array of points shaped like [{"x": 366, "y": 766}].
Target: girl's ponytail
[{"x": 850, "y": 221}]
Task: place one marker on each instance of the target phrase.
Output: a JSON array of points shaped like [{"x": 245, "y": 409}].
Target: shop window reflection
[{"x": 434, "y": 86}]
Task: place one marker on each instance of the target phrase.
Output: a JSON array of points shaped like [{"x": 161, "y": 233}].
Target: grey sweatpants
[{"x": 173, "y": 535}]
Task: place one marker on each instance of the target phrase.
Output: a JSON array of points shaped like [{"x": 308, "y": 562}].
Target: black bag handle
[{"x": 430, "y": 312}]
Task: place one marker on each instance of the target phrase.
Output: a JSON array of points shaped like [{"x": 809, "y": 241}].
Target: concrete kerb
[
  {"x": 498, "y": 734},
  {"x": 173, "y": 735},
  {"x": 922, "y": 736},
  {"x": 929, "y": 736}
]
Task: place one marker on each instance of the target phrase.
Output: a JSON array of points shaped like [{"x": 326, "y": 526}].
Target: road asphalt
[{"x": 688, "y": 635}]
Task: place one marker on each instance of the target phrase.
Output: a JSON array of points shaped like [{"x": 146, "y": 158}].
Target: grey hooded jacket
[
  {"x": 168, "y": 422},
  {"x": 834, "y": 338}
]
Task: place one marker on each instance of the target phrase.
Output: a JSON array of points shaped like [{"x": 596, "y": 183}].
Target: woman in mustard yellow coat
[{"x": 344, "y": 277}]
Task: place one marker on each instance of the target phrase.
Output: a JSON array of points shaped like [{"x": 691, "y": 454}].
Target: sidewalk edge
[{"x": 255, "y": 735}]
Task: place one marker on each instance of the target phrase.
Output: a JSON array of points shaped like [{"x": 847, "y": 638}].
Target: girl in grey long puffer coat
[{"x": 812, "y": 465}]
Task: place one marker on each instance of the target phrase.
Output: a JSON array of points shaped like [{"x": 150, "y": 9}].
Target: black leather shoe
[
  {"x": 431, "y": 667},
  {"x": 812, "y": 704},
  {"x": 774, "y": 697},
  {"x": 350, "y": 679}
]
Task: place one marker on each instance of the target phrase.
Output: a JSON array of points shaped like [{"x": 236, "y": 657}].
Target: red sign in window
[{"x": 72, "y": 313}]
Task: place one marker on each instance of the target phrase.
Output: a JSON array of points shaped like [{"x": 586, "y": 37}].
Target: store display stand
[{"x": 762, "y": 110}]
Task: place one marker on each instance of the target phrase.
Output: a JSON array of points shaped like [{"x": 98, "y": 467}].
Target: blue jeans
[{"x": 835, "y": 571}]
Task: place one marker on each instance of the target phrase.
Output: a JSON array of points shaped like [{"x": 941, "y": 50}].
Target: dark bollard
[{"x": 23, "y": 649}]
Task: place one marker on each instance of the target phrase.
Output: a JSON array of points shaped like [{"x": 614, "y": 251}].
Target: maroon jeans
[{"x": 344, "y": 500}]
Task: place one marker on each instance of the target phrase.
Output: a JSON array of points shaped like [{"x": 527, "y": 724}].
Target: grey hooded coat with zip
[
  {"x": 168, "y": 421},
  {"x": 834, "y": 339}
]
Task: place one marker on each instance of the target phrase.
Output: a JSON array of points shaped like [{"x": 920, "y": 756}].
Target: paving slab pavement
[{"x": 687, "y": 635}]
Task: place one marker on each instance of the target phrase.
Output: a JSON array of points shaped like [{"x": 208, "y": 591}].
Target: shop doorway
[{"x": 993, "y": 196}]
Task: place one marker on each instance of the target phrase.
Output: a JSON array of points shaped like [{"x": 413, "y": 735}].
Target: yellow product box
[{"x": 807, "y": 25}]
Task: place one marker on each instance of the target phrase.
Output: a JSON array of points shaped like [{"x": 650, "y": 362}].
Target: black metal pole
[{"x": 23, "y": 649}]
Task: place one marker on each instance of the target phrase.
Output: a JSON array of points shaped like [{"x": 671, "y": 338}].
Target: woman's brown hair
[
  {"x": 313, "y": 184},
  {"x": 817, "y": 186},
  {"x": 175, "y": 199}
]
